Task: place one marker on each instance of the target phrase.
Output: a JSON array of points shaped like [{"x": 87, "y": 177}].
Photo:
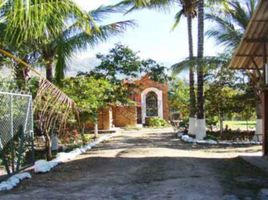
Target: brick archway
[{"x": 159, "y": 94}]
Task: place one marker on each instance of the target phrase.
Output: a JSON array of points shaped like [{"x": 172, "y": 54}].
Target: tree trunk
[
  {"x": 83, "y": 134},
  {"x": 48, "y": 145},
  {"x": 191, "y": 79},
  {"x": 200, "y": 54},
  {"x": 258, "y": 109},
  {"x": 21, "y": 74},
  {"x": 49, "y": 70},
  {"x": 221, "y": 123},
  {"x": 96, "y": 130},
  {"x": 201, "y": 124}
]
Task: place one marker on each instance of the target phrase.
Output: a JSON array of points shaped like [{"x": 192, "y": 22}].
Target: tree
[
  {"x": 189, "y": 11},
  {"x": 200, "y": 125},
  {"x": 230, "y": 25},
  {"x": 76, "y": 37},
  {"x": 122, "y": 63},
  {"x": 179, "y": 97},
  {"x": 97, "y": 94}
]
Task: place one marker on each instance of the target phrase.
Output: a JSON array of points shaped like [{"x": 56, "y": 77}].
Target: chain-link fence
[{"x": 16, "y": 130}]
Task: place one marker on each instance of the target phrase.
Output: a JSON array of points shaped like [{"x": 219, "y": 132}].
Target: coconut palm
[
  {"x": 189, "y": 11},
  {"x": 200, "y": 125},
  {"x": 59, "y": 49},
  {"x": 230, "y": 27}
]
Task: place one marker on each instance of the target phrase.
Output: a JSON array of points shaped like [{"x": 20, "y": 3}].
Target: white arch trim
[{"x": 159, "y": 94}]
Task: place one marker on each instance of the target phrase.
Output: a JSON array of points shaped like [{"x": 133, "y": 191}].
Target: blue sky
[{"x": 152, "y": 38}]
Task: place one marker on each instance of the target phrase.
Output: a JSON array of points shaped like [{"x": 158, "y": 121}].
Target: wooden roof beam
[
  {"x": 250, "y": 55},
  {"x": 258, "y": 40}
]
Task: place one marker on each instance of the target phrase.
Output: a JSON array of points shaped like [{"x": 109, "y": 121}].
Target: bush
[
  {"x": 231, "y": 135},
  {"x": 157, "y": 122}
]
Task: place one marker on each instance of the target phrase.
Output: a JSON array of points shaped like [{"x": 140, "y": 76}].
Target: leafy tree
[
  {"x": 90, "y": 95},
  {"x": 119, "y": 64},
  {"x": 179, "y": 97},
  {"x": 155, "y": 71},
  {"x": 122, "y": 63},
  {"x": 226, "y": 93}
]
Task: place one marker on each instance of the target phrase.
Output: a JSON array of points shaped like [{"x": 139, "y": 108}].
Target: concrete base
[
  {"x": 200, "y": 129},
  {"x": 192, "y": 126},
  {"x": 258, "y": 132}
]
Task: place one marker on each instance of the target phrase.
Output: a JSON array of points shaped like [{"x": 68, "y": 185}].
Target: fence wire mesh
[{"x": 16, "y": 129}]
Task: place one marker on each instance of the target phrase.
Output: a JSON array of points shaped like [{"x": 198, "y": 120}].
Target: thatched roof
[{"x": 252, "y": 51}]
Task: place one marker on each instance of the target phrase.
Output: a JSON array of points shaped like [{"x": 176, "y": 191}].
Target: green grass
[{"x": 242, "y": 125}]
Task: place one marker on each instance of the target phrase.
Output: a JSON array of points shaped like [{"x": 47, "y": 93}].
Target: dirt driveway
[{"x": 144, "y": 166}]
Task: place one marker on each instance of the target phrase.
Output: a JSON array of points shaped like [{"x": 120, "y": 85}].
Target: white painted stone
[
  {"x": 188, "y": 139},
  {"x": 192, "y": 126},
  {"x": 13, "y": 181},
  {"x": 43, "y": 166},
  {"x": 200, "y": 131},
  {"x": 258, "y": 131}
]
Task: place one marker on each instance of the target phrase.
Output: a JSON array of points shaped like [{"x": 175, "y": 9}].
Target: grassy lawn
[{"x": 242, "y": 125}]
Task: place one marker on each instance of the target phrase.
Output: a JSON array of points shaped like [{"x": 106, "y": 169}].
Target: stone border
[
  {"x": 188, "y": 139},
  {"x": 43, "y": 166}
]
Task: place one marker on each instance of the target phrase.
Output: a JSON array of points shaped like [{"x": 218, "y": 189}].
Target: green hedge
[{"x": 157, "y": 122}]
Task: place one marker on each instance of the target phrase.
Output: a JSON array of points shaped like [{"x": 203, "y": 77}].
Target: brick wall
[
  {"x": 124, "y": 116},
  {"x": 104, "y": 120},
  {"x": 146, "y": 82}
]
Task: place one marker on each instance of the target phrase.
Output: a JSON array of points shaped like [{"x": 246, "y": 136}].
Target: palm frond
[
  {"x": 177, "y": 19},
  {"x": 51, "y": 103},
  {"x": 206, "y": 62},
  {"x": 31, "y": 20},
  {"x": 66, "y": 46},
  {"x": 132, "y": 5}
]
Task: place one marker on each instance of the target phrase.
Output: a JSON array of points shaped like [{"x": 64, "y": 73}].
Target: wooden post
[
  {"x": 265, "y": 122},
  {"x": 265, "y": 103}
]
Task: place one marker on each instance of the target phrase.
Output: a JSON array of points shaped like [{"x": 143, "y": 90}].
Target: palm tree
[
  {"x": 200, "y": 125},
  {"x": 189, "y": 11},
  {"x": 229, "y": 30},
  {"x": 59, "y": 49}
]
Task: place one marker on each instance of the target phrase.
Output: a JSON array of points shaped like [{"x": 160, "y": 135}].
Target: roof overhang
[{"x": 252, "y": 51}]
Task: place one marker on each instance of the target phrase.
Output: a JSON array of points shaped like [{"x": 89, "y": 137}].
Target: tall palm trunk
[
  {"x": 191, "y": 78},
  {"x": 49, "y": 69},
  {"x": 201, "y": 125}
]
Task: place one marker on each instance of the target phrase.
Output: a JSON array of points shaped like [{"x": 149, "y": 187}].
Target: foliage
[
  {"x": 89, "y": 94},
  {"x": 157, "y": 122},
  {"x": 122, "y": 63},
  {"x": 179, "y": 97},
  {"x": 227, "y": 94},
  {"x": 231, "y": 21}
]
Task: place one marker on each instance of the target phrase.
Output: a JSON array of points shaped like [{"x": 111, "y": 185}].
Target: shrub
[{"x": 157, "y": 122}]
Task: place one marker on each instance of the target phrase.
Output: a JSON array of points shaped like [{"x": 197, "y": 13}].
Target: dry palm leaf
[{"x": 52, "y": 104}]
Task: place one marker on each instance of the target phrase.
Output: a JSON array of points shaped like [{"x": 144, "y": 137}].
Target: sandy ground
[{"x": 135, "y": 166}]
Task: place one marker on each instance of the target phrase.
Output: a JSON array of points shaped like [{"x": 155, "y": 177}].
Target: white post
[
  {"x": 258, "y": 131},
  {"x": 200, "y": 131},
  {"x": 192, "y": 126}
]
